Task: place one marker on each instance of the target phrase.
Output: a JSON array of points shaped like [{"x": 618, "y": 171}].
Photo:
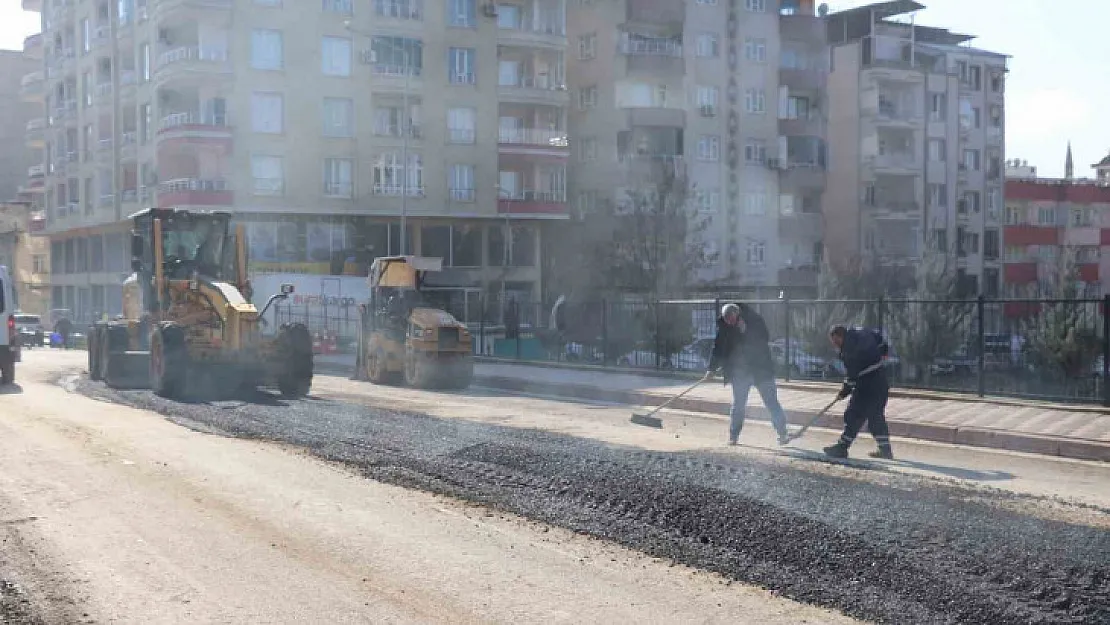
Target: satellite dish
[{"x": 823, "y": 10}]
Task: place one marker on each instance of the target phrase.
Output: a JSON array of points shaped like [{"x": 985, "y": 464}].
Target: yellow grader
[
  {"x": 187, "y": 322},
  {"x": 402, "y": 337}
]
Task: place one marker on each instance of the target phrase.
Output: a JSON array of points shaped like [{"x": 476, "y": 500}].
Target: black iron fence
[{"x": 1046, "y": 349}]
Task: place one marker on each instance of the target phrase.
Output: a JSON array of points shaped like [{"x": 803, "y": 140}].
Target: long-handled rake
[
  {"x": 817, "y": 417},
  {"x": 650, "y": 420}
]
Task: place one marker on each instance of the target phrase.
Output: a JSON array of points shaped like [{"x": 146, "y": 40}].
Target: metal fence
[{"x": 1046, "y": 349}]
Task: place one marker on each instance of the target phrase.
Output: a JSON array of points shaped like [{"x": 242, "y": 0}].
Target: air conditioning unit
[
  {"x": 369, "y": 56},
  {"x": 489, "y": 9}
]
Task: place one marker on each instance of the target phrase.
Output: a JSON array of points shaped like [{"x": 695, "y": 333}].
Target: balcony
[
  {"x": 801, "y": 226},
  {"x": 894, "y": 209},
  {"x": 540, "y": 24},
  {"x": 66, "y": 111},
  {"x": 183, "y": 192},
  {"x": 651, "y": 55},
  {"x": 534, "y": 89},
  {"x": 36, "y": 178},
  {"x": 812, "y": 126},
  {"x": 533, "y": 141},
  {"x": 652, "y": 165},
  {"x": 799, "y": 175},
  {"x": 656, "y": 117},
  {"x": 162, "y": 10},
  {"x": 36, "y": 133},
  {"x": 33, "y": 46},
  {"x": 32, "y": 87},
  {"x": 532, "y": 202},
  {"x": 191, "y": 130},
  {"x": 189, "y": 63},
  {"x": 894, "y": 163}
]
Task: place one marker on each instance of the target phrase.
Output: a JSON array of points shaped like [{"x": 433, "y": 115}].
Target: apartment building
[
  {"x": 696, "y": 86},
  {"x": 25, "y": 255},
  {"x": 1053, "y": 219},
  {"x": 916, "y": 136},
  {"x": 17, "y": 109},
  {"x": 319, "y": 124}
]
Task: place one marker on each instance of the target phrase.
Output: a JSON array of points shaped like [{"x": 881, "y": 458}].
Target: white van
[{"x": 9, "y": 340}]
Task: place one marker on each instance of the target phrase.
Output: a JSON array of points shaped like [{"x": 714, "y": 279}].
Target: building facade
[
  {"x": 714, "y": 91},
  {"x": 916, "y": 121},
  {"x": 18, "y": 83},
  {"x": 318, "y": 128},
  {"x": 26, "y": 255},
  {"x": 1055, "y": 226}
]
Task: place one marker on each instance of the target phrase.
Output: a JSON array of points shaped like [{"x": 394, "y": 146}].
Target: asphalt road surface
[{"x": 233, "y": 528}]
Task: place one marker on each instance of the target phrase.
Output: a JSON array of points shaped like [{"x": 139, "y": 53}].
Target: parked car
[{"x": 30, "y": 329}]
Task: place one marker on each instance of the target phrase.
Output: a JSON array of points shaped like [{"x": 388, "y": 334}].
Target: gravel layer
[{"x": 904, "y": 550}]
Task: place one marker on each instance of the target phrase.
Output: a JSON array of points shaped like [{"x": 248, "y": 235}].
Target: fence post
[
  {"x": 1106, "y": 350},
  {"x": 880, "y": 314},
  {"x": 482, "y": 325},
  {"x": 982, "y": 314},
  {"x": 786, "y": 334},
  {"x": 604, "y": 332}
]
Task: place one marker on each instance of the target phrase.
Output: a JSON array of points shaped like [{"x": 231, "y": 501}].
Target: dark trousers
[{"x": 867, "y": 405}]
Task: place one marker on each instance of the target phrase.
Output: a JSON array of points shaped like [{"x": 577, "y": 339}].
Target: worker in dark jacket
[
  {"x": 742, "y": 354},
  {"x": 862, "y": 351}
]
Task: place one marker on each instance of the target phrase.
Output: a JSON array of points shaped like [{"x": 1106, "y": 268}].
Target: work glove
[{"x": 846, "y": 390}]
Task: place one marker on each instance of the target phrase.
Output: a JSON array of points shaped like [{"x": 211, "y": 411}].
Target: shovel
[
  {"x": 652, "y": 421},
  {"x": 817, "y": 417}
]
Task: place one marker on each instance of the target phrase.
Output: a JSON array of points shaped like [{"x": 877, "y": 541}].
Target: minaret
[{"x": 1069, "y": 165}]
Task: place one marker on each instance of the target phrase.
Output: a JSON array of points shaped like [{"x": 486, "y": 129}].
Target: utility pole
[{"x": 117, "y": 171}]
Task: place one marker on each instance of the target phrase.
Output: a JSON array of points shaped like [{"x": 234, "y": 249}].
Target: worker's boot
[
  {"x": 883, "y": 453},
  {"x": 839, "y": 450}
]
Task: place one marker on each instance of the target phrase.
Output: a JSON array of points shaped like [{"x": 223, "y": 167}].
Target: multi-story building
[
  {"x": 328, "y": 129},
  {"x": 916, "y": 136},
  {"x": 696, "y": 86},
  {"x": 25, "y": 255},
  {"x": 19, "y": 85},
  {"x": 1053, "y": 226}
]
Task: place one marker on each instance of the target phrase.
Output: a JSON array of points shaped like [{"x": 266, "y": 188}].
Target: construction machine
[
  {"x": 188, "y": 323},
  {"x": 402, "y": 337}
]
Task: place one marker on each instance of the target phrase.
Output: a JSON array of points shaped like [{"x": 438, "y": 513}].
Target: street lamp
[{"x": 406, "y": 123}]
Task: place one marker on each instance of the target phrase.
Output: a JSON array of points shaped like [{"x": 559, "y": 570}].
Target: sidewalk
[{"x": 1054, "y": 430}]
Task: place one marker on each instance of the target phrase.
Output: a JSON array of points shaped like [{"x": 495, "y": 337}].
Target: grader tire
[
  {"x": 111, "y": 343},
  {"x": 295, "y": 351},
  {"x": 376, "y": 371},
  {"x": 169, "y": 362}
]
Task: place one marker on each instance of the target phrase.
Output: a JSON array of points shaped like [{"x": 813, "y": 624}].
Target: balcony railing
[
  {"x": 269, "y": 186},
  {"x": 397, "y": 190},
  {"x": 530, "y": 25},
  {"x": 895, "y": 160},
  {"x": 650, "y": 47},
  {"x": 36, "y": 124},
  {"x": 463, "y": 195},
  {"x": 533, "y": 136},
  {"x": 396, "y": 71},
  {"x": 106, "y": 200},
  {"x": 542, "y": 83},
  {"x": 129, "y": 196},
  {"x": 400, "y": 9},
  {"x": 397, "y": 130},
  {"x": 178, "y": 185},
  {"x": 176, "y": 120},
  {"x": 36, "y": 171},
  {"x": 190, "y": 54},
  {"x": 461, "y": 135},
  {"x": 532, "y": 195},
  {"x": 103, "y": 90},
  {"x": 104, "y": 145}
]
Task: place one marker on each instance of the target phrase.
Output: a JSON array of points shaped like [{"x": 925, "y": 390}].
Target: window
[
  {"x": 938, "y": 150},
  {"x": 939, "y": 240},
  {"x": 144, "y": 62},
  {"x": 461, "y": 125},
  {"x": 391, "y": 175},
  {"x": 267, "y": 112},
  {"x": 460, "y": 66},
  {"x": 339, "y": 177},
  {"x": 976, "y": 117},
  {"x": 1046, "y": 216},
  {"x": 587, "y": 97},
  {"x": 991, "y": 244},
  {"x": 337, "y": 6},
  {"x": 391, "y": 121},
  {"x": 709, "y": 148},
  {"x": 587, "y": 46},
  {"x": 522, "y": 251},
  {"x": 993, "y": 203},
  {"x": 144, "y": 123},
  {"x": 755, "y": 101},
  {"x": 707, "y": 45},
  {"x": 399, "y": 9},
  {"x": 338, "y": 117},
  {"x": 757, "y": 6},
  {"x": 396, "y": 56},
  {"x": 937, "y": 195},
  {"x": 997, "y": 82},
  {"x": 971, "y": 160},
  {"x": 1015, "y": 216},
  {"x": 86, "y": 36},
  {"x": 969, "y": 203},
  {"x": 587, "y": 149},
  {"x": 708, "y": 201},
  {"x": 755, "y": 204},
  {"x": 461, "y": 13},
  {"x": 938, "y": 107},
  {"x": 460, "y": 183},
  {"x": 797, "y": 107},
  {"x": 755, "y": 50},
  {"x": 267, "y": 49},
  {"x": 86, "y": 89},
  {"x": 87, "y": 195},
  {"x": 707, "y": 98},
  {"x": 335, "y": 56},
  {"x": 757, "y": 252},
  {"x": 269, "y": 174},
  {"x": 755, "y": 152}
]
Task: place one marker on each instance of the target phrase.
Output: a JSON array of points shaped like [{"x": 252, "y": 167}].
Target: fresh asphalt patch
[{"x": 903, "y": 549}]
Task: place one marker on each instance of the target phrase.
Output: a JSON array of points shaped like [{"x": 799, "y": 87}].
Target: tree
[{"x": 1062, "y": 336}]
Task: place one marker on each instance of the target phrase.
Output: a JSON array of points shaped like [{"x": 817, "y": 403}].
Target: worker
[
  {"x": 742, "y": 353},
  {"x": 863, "y": 352}
]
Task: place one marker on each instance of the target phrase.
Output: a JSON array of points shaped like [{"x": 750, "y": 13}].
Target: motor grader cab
[
  {"x": 402, "y": 337},
  {"x": 187, "y": 321}
]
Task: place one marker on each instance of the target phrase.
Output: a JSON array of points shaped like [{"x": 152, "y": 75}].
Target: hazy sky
[{"x": 1053, "y": 89}]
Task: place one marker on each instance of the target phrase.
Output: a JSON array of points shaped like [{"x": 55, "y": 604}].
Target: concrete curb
[
  {"x": 795, "y": 385},
  {"x": 1059, "y": 446}
]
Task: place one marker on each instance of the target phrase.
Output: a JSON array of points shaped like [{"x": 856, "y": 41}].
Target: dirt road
[{"x": 112, "y": 514}]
